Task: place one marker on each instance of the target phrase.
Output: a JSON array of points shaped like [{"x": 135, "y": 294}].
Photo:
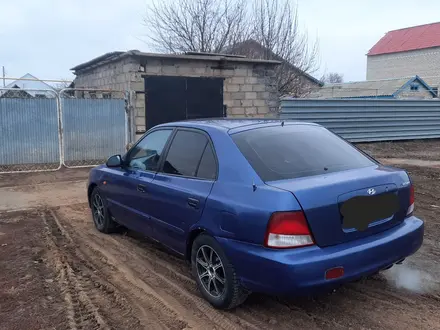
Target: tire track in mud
[
  {"x": 148, "y": 262},
  {"x": 268, "y": 313},
  {"x": 81, "y": 312},
  {"x": 92, "y": 302},
  {"x": 166, "y": 281},
  {"x": 283, "y": 315},
  {"x": 176, "y": 273},
  {"x": 371, "y": 303}
]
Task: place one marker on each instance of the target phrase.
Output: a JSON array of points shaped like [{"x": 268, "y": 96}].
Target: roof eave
[
  {"x": 114, "y": 56},
  {"x": 205, "y": 58},
  {"x": 403, "y": 51},
  {"x": 98, "y": 60}
]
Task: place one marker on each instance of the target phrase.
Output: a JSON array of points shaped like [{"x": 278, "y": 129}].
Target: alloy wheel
[
  {"x": 98, "y": 210},
  {"x": 210, "y": 271}
]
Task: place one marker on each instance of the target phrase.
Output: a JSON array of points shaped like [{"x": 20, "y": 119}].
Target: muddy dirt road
[
  {"x": 58, "y": 272},
  {"x": 422, "y": 149}
]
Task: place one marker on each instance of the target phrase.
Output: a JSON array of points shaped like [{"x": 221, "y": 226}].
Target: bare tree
[
  {"x": 267, "y": 29},
  {"x": 333, "y": 78},
  {"x": 276, "y": 27},
  {"x": 196, "y": 25}
]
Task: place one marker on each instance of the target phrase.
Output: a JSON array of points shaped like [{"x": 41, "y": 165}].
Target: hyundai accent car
[{"x": 269, "y": 206}]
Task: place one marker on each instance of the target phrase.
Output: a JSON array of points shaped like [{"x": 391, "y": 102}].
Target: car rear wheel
[
  {"x": 101, "y": 217},
  {"x": 215, "y": 275}
]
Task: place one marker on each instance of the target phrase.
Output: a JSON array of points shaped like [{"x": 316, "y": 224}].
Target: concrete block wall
[
  {"x": 115, "y": 75},
  {"x": 424, "y": 63}
]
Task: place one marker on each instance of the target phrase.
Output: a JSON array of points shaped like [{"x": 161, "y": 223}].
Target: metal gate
[
  {"x": 29, "y": 131},
  {"x": 204, "y": 97},
  {"x": 173, "y": 98},
  {"x": 164, "y": 100},
  {"x": 94, "y": 126},
  {"x": 41, "y": 130}
]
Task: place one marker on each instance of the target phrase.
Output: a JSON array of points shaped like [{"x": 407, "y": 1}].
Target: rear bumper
[{"x": 302, "y": 271}]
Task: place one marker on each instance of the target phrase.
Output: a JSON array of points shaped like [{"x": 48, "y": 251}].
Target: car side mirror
[{"x": 114, "y": 161}]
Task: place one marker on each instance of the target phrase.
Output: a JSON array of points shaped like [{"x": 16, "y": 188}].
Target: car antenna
[
  {"x": 282, "y": 123},
  {"x": 254, "y": 186}
]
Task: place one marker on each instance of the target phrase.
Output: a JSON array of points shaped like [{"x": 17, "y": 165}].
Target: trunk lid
[{"x": 348, "y": 205}]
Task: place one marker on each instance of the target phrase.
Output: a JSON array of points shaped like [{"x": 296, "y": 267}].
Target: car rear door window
[
  {"x": 146, "y": 154},
  {"x": 185, "y": 153},
  {"x": 293, "y": 151},
  {"x": 208, "y": 166}
]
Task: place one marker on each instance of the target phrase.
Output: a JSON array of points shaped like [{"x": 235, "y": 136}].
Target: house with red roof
[{"x": 408, "y": 52}]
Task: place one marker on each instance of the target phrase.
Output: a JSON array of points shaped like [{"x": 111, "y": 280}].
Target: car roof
[{"x": 233, "y": 124}]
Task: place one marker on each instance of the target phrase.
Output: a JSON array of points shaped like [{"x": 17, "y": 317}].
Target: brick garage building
[
  {"x": 176, "y": 87},
  {"x": 405, "y": 53}
]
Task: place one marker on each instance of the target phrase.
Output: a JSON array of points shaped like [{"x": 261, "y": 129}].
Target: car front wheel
[
  {"x": 215, "y": 275},
  {"x": 101, "y": 217}
]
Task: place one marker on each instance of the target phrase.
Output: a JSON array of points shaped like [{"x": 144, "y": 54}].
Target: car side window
[
  {"x": 185, "y": 153},
  {"x": 146, "y": 154},
  {"x": 208, "y": 166}
]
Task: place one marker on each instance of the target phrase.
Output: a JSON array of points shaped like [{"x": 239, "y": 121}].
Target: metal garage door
[{"x": 170, "y": 98}]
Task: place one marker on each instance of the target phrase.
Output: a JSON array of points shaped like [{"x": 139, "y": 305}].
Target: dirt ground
[
  {"x": 424, "y": 150},
  {"x": 58, "y": 272}
]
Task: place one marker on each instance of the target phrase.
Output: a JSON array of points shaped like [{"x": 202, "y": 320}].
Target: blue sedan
[{"x": 270, "y": 206}]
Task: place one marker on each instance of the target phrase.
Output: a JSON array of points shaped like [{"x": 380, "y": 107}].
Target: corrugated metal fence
[
  {"x": 75, "y": 128},
  {"x": 93, "y": 130},
  {"x": 29, "y": 134},
  {"x": 365, "y": 120}
]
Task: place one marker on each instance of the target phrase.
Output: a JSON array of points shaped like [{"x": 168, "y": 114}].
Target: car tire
[
  {"x": 210, "y": 267},
  {"x": 100, "y": 214}
]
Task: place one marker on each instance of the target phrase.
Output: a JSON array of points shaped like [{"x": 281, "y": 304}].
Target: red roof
[{"x": 412, "y": 38}]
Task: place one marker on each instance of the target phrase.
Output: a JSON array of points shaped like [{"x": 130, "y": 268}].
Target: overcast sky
[{"x": 48, "y": 37}]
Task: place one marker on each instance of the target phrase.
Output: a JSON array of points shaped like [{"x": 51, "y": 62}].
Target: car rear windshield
[{"x": 294, "y": 151}]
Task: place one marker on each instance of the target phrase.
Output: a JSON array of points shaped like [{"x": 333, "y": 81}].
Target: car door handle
[
  {"x": 141, "y": 188},
  {"x": 192, "y": 202}
]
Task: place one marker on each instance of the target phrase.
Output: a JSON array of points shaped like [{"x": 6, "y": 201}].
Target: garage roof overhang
[{"x": 222, "y": 60}]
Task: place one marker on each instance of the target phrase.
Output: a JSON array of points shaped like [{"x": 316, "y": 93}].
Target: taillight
[
  {"x": 411, "y": 201},
  {"x": 288, "y": 230}
]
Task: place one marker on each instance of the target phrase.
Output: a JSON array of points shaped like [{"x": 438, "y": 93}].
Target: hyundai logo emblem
[{"x": 371, "y": 191}]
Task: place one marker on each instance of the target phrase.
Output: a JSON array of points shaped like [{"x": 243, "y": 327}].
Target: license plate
[{"x": 360, "y": 211}]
